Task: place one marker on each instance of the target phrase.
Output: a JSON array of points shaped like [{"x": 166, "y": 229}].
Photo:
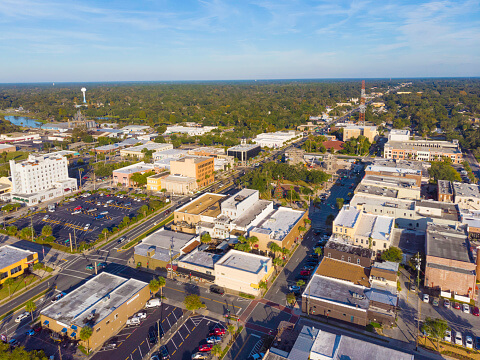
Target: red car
[
  {"x": 456, "y": 306},
  {"x": 85, "y": 178},
  {"x": 305, "y": 273},
  {"x": 475, "y": 311},
  {"x": 37, "y": 328},
  {"x": 205, "y": 348},
  {"x": 217, "y": 332},
  {"x": 78, "y": 208}
]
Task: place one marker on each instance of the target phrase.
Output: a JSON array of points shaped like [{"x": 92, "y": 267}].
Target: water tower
[{"x": 83, "y": 91}]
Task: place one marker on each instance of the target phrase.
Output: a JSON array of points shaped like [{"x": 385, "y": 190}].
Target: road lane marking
[{"x": 239, "y": 351}]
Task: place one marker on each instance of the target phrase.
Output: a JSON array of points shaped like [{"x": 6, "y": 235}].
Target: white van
[
  {"x": 133, "y": 321},
  {"x": 458, "y": 338},
  {"x": 153, "y": 303}
]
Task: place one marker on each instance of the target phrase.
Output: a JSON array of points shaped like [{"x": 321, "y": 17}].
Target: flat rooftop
[
  {"x": 342, "y": 270},
  {"x": 376, "y": 190},
  {"x": 409, "y": 241},
  {"x": 279, "y": 223},
  {"x": 94, "y": 300},
  {"x": 240, "y": 260},
  {"x": 179, "y": 178},
  {"x": 232, "y": 201},
  {"x": 200, "y": 258},
  {"x": 6, "y": 146},
  {"x": 208, "y": 204},
  {"x": 447, "y": 242},
  {"x": 243, "y": 147},
  {"x": 132, "y": 169},
  {"x": 347, "y": 217},
  {"x": 445, "y": 187},
  {"x": 422, "y": 145},
  {"x": 162, "y": 241},
  {"x": 337, "y": 291},
  {"x": 375, "y": 226},
  {"x": 248, "y": 216},
  {"x": 348, "y": 248},
  {"x": 390, "y": 181},
  {"x": 150, "y": 147},
  {"x": 10, "y": 255},
  {"x": 361, "y": 199},
  {"x": 194, "y": 158},
  {"x": 466, "y": 190}
]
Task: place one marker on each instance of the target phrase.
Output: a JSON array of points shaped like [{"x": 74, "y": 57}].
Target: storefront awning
[
  {"x": 46, "y": 322},
  {"x": 64, "y": 330},
  {"x": 73, "y": 327},
  {"x": 73, "y": 334}
]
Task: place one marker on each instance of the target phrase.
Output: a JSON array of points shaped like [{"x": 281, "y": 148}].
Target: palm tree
[
  {"x": 274, "y": 248},
  {"x": 105, "y": 233},
  {"x": 85, "y": 335},
  {"x": 216, "y": 350},
  {"x": 30, "y": 307},
  {"x": 9, "y": 282},
  {"x": 300, "y": 283},
  {"x": 231, "y": 329},
  {"x": 252, "y": 240},
  {"x": 277, "y": 262},
  {"x": 291, "y": 299},
  {"x": 318, "y": 251},
  {"x": 262, "y": 285},
  {"x": 144, "y": 209},
  {"x": 154, "y": 285},
  {"x": 285, "y": 252},
  {"x": 80, "y": 171},
  {"x": 161, "y": 283}
]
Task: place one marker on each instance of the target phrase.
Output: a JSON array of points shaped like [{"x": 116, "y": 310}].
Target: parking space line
[{"x": 173, "y": 342}]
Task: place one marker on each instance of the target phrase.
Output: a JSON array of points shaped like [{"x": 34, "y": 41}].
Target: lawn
[
  {"x": 453, "y": 351},
  {"x": 18, "y": 285}
]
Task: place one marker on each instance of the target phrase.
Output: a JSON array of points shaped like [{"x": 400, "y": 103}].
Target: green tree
[
  {"x": 318, "y": 251},
  {"x": 231, "y": 329},
  {"x": 216, "y": 350},
  {"x": 443, "y": 170},
  {"x": 161, "y": 283},
  {"x": 329, "y": 220},
  {"x": 126, "y": 221},
  {"x": 392, "y": 254},
  {"x": 154, "y": 285},
  {"x": 291, "y": 298},
  {"x": 105, "y": 233},
  {"x": 144, "y": 210},
  {"x": 139, "y": 179},
  {"x": 192, "y": 303},
  {"x": 274, "y": 247},
  {"x": 300, "y": 283},
  {"x": 30, "y": 307},
  {"x": 252, "y": 241},
  {"x": 85, "y": 335},
  {"x": 262, "y": 285},
  {"x": 435, "y": 328},
  {"x": 12, "y": 230},
  {"x": 340, "y": 202},
  {"x": 206, "y": 238},
  {"x": 9, "y": 282}
]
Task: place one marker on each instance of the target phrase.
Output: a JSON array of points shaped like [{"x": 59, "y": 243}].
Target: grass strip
[{"x": 22, "y": 305}]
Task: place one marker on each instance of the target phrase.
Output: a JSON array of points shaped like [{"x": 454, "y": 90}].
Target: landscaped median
[
  {"x": 448, "y": 349},
  {"x": 146, "y": 233}
]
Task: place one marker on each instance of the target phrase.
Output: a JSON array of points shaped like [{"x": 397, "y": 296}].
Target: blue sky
[{"x": 64, "y": 40}]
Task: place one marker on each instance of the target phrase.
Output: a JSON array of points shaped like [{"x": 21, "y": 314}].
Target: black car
[
  {"x": 152, "y": 337},
  {"x": 302, "y": 277},
  {"x": 217, "y": 290}
]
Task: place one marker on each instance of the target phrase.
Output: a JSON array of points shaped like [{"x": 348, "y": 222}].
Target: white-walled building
[
  {"x": 188, "y": 130},
  {"x": 399, "y": 135},
  {"x": 276, "y": 139},
  {"x": 41, "y": 178}
]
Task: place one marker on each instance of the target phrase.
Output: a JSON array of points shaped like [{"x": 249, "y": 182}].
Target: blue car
[
  {"x": 99, "y": 217},
  {"x": 31, "y": 332}
]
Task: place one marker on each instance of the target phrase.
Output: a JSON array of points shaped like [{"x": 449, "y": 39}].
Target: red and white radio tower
[{"x": 361, "y": 119}]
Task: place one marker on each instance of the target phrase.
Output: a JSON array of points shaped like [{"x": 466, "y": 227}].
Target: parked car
[
  {"x": 435, "y": 302},
  {"x": 99, "y": 203},
  {"x": 22, "y": 316},
  {"x": 258, "y": 356},
  {"x": 58, "y": 296},
  {"x": 163, "y": 351},
  {"x": 302, "y": 277},
  {"x": 86, "y": 227},
  {"x": 45, "y": 217},
  {"x": 102, "y": 265},
  {"x": 466, "y": 308},
  {"x": 305, "y": 273},
  {"x": 76, "y": 212},
  {"x": 133, "y": 321},
  {"x": 294, "y": 288},
  {"x": 475, "y": 311},
  {"x": 104, "y": 213},
  {"x": 214, "y": 339},
  {"x": 37, "y": 328},
  {"x": 98, "y": 217},
  {"x": 448, "y": 336},
  {"x": 153, "y": 303},
  {"x": 89, "y": 267},
  {"x": 446, "y": 303},
  {"x": 154, "y": 357},
  {"x": 308, "y": 268},
  {"x": 13, "y": 343},
  {"x": 152, "y": 337},
  {"x": 458, "y": 338},
  {"x": 199, "y": 356},
  {"x": 141, "y": 315},
  {"x": 217, "y": 289},
  {"x": 469, "y": 342},
  {"x": 205, "y": 347},
  {"x": 31, "y": 332},
  {"x": 456, "y": 306},
  {"x": 426, "y": 298},
  {"x": 77, "y": 208},
  {"x": 122, "y": 239},
  {"x": 217, "y": 332}
]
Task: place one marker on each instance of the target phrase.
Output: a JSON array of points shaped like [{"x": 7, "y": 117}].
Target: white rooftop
[
  {"x": 131, "y": 169},
  {"x": 240, "y": 260},
  {"x": 10, "y": 255},
  {"x": 375, "y": 226},
  {"x": 346, "y": 217},
  {"x": 279, "y": 223}
]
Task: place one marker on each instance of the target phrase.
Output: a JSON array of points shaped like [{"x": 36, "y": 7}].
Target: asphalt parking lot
[
  {"x": 132, "y": 341},
  {"x": 65, "y": 224},
  {"x": 190, "y": 336},
  {"x": 248, "y": 343}
]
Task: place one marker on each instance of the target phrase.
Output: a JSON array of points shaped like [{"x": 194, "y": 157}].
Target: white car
[
  {"x": 99, "y": 203},
  {"x": 458, "y": 338},
  {"x": 22, "y": 316},
  {"x": 469, "y": 342},
  {"x": 426, "y": 298},
  {"x": 45, "y": 217},
  {"x": 104, "y": 213},
  {"x": 448, "y": 336},
  {"x": 141, "y": 315},
  {"x": 466, "y": 308},
  {"x": 76, "y": 212},
  {"x": 86, "y": 227}
]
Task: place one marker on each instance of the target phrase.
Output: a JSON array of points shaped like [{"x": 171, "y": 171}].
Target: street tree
[
  {"x": 47, "y": 230},
  {"x": 318, "y": 251},
  {"x": 435, "y": 328},
  {"x": 161, "y": 283},
  {"x": 300, "y": 283},
  {"x": 85, "y": 335},
  {"x": 263, "y": 285},
  {"x": 392, "y": 254},
  {"x": 274, "y": 248},
  {"x": 192, "y": 302},
  {"x": 154, "y": 285},
  {"x": 9, "y": 282},
  {"x": 291, "y": 298},
  {"x": 216, "y": 350},
  {"x": 105, "y": 233},
  {"x": 144, "y": 210},
  {"x": 30, "y": 307},
  {"x": 340, "y": 202},
  {"x": 206, "y": 238}
]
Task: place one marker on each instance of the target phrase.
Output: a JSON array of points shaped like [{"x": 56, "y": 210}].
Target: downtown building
[
  {"x": 40, "y": 178},
  {"x": 424, "y": 150}
]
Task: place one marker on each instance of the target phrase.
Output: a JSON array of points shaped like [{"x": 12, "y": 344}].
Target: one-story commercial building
[
  {"x": 14, "y": 261},
  {"x": 103, "y": 303}
]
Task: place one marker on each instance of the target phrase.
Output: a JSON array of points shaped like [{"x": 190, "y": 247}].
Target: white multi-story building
[
  {"x": 40, "y": 178},
  {"x": 276, "y": 139}
]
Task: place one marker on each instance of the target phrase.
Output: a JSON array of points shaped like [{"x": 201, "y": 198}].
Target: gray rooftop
[
  {"x": 337, "y": 291},
  {"x": 348, "y": 248},
  {"x": 233, "y": 201},
  {"x": 390, "y": 181},
  {"x": 447, "y": 242},
  {"x": 179, "y": 178},
  {"x": 347, "y": 217},
  {"x": 386, "y": 265},
  {"x": 445, "y": 187},
  {"x": 376, "y": 190},
  {"x": 409, "y": 241},
  {"x": 10, "y": 255},
  {"x": 200, "y": 258},
  {"x": 150, "y": 147},
  {"x": 248, "y": 216},
  {"x": 94, "y": 300},
  {"x": 425, "y": 145},
  {"x": 161, "y": 241},
  {"x": 243, "y": 261},
  {"x": 360, "y": 199},
  {"x": 279, "y": 223},
  {"x": 243, "y": 147},
  {"x": 466, "y": 190},
  {"x": 375, "y": 226},
  {"x": 131, "y": 169},
  {"x": 303, "y": 344}
]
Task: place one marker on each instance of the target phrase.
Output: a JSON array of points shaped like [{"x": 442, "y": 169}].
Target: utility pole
[
  {"x": 71, "y": 246},
  {"x": 75, "y": 239},
  {"x": 158, "y": 329},
  {"x": 419, "y": 314},
  {"x": 418, "y": 260},
  {"x": 31, "y": 226}
]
